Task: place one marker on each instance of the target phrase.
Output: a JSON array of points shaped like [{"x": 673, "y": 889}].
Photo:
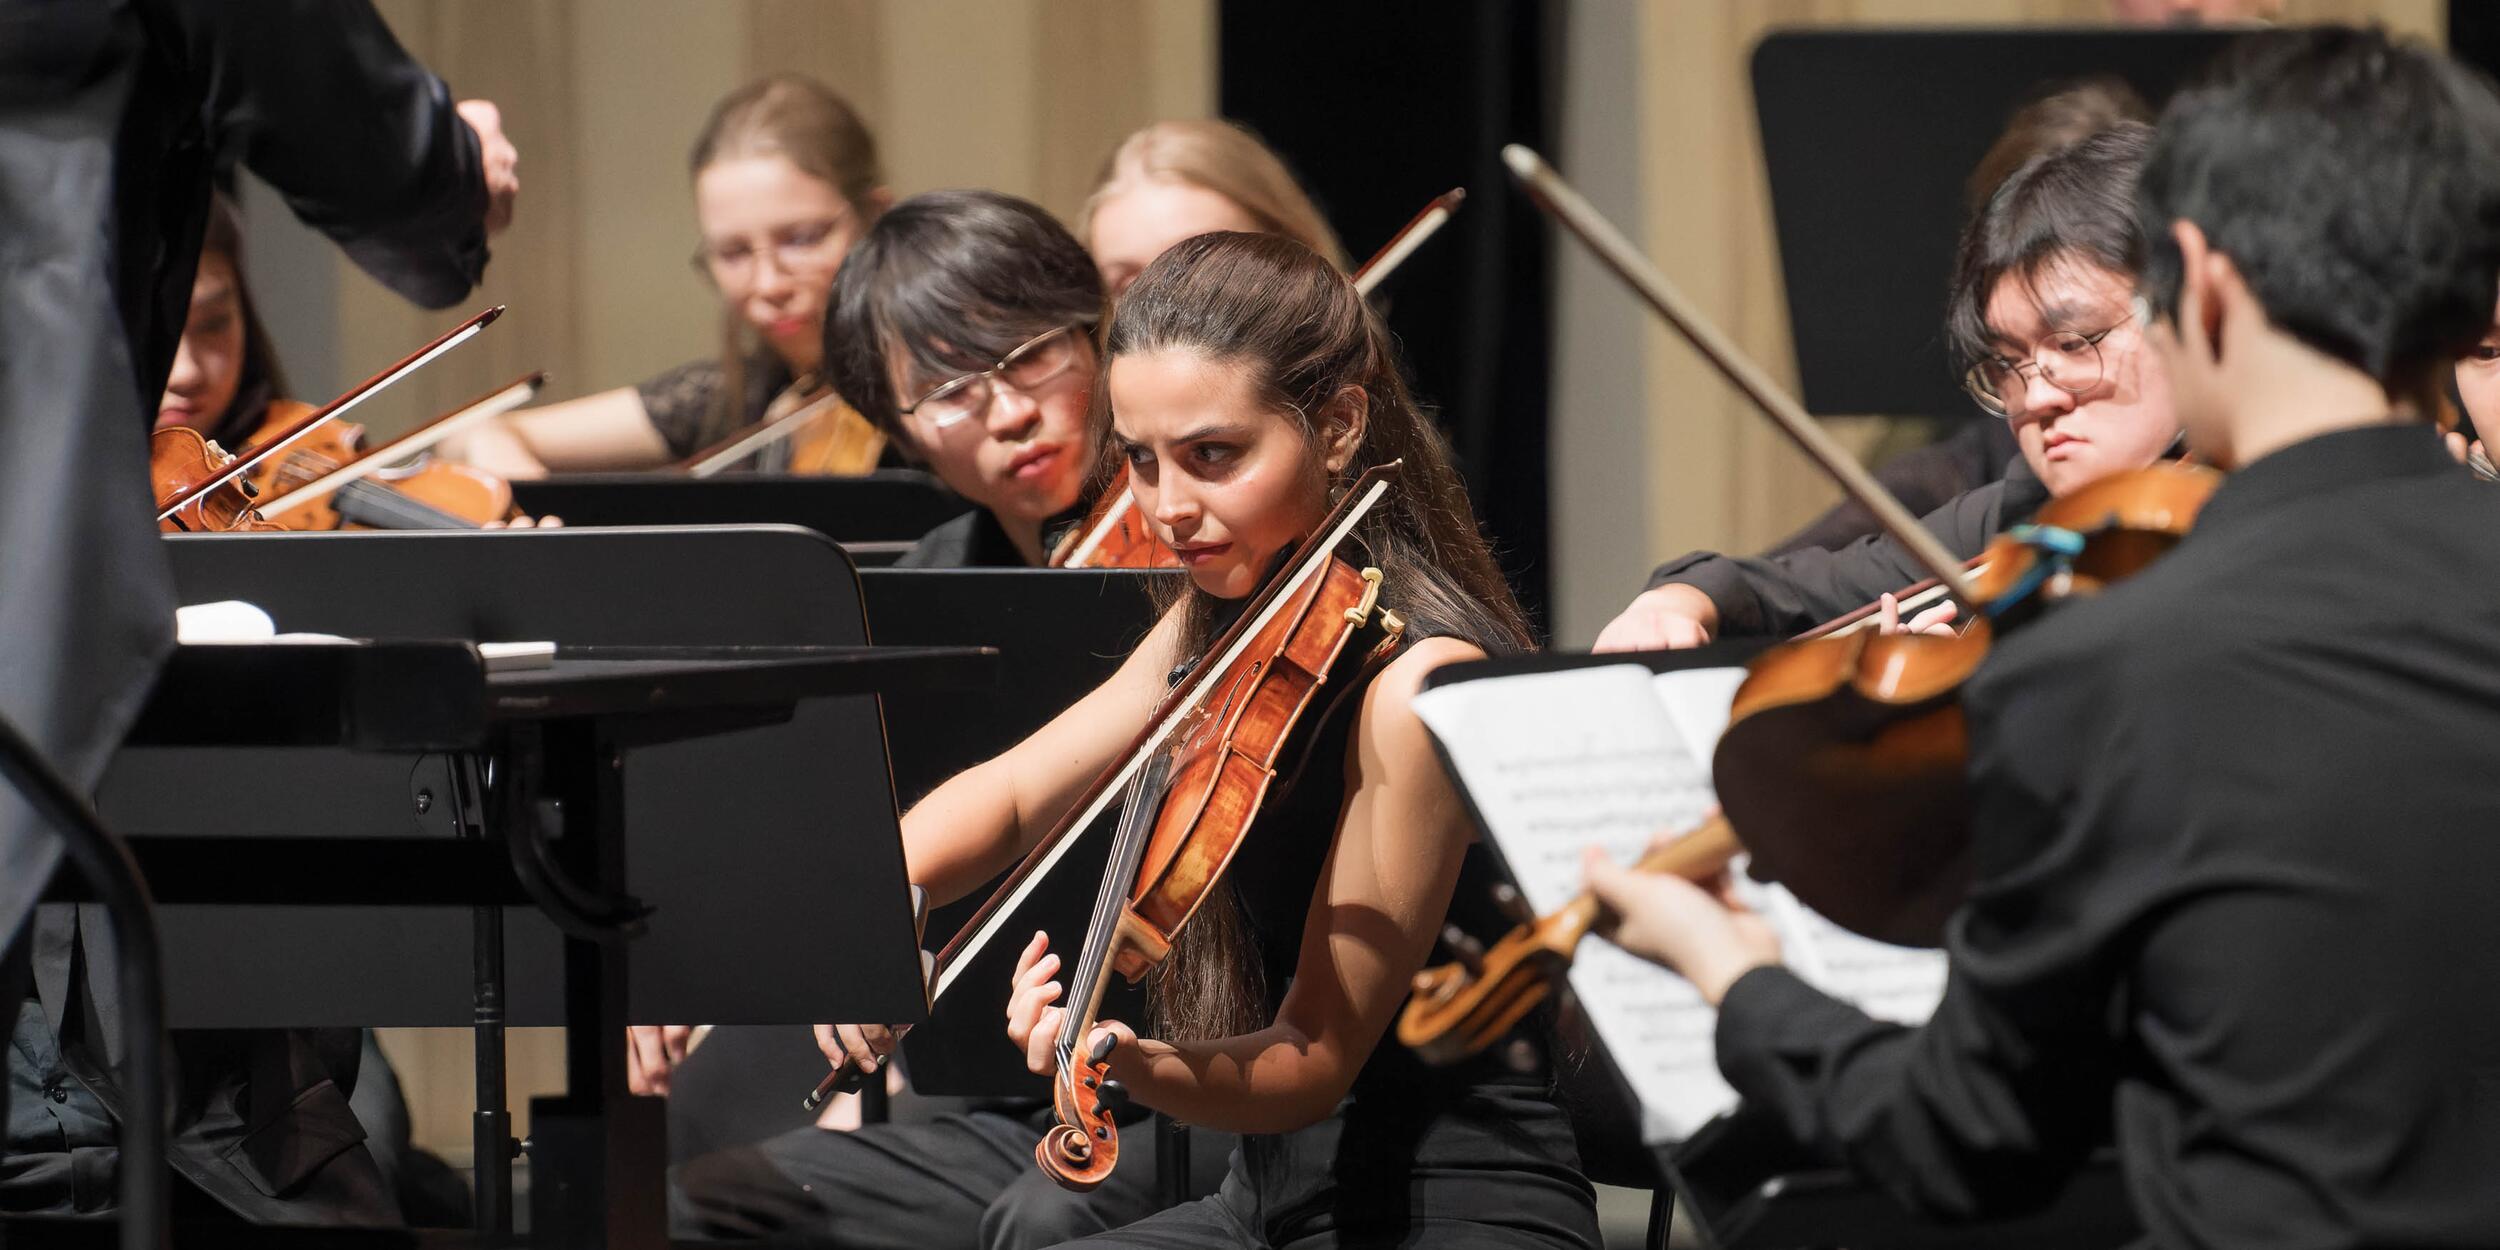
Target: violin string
[{"x": 1137, "y": 820}]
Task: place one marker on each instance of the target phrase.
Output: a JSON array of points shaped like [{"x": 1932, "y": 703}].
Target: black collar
[{"x": 2307, "y": 469}]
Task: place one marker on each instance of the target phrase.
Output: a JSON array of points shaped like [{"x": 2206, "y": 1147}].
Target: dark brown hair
[
  {"x": 2068, "y": 115},
  {"x": 2073, "y": 204},
  {"x": 260, "y": 380},
  {"x": 1276, "y": 308}
]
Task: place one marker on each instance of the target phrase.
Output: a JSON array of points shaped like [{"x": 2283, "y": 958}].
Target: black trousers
[
  {"x": 954, "y": 1182},
  {"x": 1492, "y": 1168}
]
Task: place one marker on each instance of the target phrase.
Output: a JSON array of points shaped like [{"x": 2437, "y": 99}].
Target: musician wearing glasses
[
  {"x": 2040, "y": 307},
  {"x": 962, "y": 326}
]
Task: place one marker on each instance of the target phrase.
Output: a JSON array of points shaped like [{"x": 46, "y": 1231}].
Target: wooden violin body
[
  {"x": 179, "y": 459},
  {"x": 1845, "y": 758},
  {"x": 1458, "y": 1009},
  {"x": 422, "y": 494},
  {"x": 1203, "y": 797},
  {"x": 1114, "y": 535}
]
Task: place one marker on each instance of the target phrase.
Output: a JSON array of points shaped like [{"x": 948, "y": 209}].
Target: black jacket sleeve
[
  {"x": 1988, "y": 1108},
  {"x": 319, "y": 100},
  {"x": 1787, "y": 594}
]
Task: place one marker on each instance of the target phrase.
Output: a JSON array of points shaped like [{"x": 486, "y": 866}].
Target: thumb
[{"x": 1607, "y": 879}]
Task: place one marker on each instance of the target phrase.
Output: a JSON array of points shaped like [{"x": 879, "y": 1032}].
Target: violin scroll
[
  {"x": 1459, "y": 1009},
  {"x": 1083, "y": 1147}
]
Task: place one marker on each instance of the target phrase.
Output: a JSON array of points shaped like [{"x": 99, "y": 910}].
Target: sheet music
[{"x": 1614, "y": 756}]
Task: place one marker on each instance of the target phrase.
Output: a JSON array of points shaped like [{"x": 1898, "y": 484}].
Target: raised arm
[{"x": 364, "y": 142}]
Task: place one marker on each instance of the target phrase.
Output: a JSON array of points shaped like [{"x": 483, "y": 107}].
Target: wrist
[
  {"x": 1714, "y": 976},
  {"x": 1688, "y": 602}
]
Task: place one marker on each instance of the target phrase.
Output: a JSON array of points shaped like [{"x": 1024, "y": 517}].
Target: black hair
[
  {"x": 951, "y": 280},
  {"x": 2072, "y": 203},
  {"x": 2354, "y": 181}
]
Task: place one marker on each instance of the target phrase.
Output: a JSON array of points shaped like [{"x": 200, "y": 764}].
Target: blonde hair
[
  {"x": 1226, "y": 159},
  {"x": 801, "y": 120}
]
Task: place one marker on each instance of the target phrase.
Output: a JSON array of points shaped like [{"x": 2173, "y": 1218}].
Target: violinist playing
[
  {"x": 2233, "y": 815},
  {"x": 786, "y": 179},
  {"x": 227, "y": 385},
  {"x": 1247, "y": 383},
  {"x": 2040, "y": 308}
]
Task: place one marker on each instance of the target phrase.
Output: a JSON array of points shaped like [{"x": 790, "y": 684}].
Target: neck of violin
[{"x": 1092, "y": 974}]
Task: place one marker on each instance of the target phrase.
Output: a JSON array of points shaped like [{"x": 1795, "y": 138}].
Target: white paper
[{"x": 1613, "y": 757}]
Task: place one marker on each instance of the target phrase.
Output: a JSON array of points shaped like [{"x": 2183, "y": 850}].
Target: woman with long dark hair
[{"x": 1246, "y": 384}]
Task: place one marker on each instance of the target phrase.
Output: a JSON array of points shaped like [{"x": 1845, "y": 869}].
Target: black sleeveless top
[{"x": 1404, "y": 1127}]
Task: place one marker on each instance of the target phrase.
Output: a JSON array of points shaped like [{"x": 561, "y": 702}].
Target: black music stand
[
  {"x": 1751, "y": 1186},
  {"x": 875, "y": 516},
  {"x": 1060, "y": 633},
  {"x": 701, "y": 769},
  {"x": 1868, "y": 137}
]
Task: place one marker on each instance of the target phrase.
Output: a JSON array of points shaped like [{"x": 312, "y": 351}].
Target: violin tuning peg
[
  {"x": 1469, "y": 951},
  {"x": 1103, "y": 1045},
  {"x": 1513, "y": 904},
  {"x": 1114, "y": 1094}
]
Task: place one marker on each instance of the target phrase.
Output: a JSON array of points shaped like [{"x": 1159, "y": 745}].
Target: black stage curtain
[{"x": 1379, "y": 107}]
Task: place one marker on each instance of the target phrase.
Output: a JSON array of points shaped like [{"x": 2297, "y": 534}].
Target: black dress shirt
[
  {"x": 1780, "y": 596},
  {"x": 974, "y": 540},
  {"x": 2236, "y": 824}
]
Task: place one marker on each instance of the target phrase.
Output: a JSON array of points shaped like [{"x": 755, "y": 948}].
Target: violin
[
  {"x": 1459, "y": 1009},
  {"x": 826, "y": 437},
  {"x": 180, "y": 500},
  {"x": 1843, "y": 765},
  {"x": 397, "y": 485},
  {"x": 1114, "y": 535},
  {"x": 1185, "y": 818},
  {"x": 423, "y": 494},
  {"x": 1177, "y": 834},
  {"x": 179, "y": 459}
]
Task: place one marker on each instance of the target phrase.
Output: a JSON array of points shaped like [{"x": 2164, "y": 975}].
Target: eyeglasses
[
  {"x": 2070, "y": 361},
  {"x": 804, "y": 248},
  {"x": 1038, "y": 362}
]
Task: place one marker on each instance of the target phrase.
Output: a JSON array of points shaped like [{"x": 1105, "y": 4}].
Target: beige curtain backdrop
[
  {"x": 1717, "y": 476},
  {"x": 603, "y": 99}
]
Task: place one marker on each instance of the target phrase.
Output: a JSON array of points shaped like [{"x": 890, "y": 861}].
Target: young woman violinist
[
  {"x": 1246, "y": 383},
  {"x": 1175, "y": 179},
  {"x": 786, "y": 179},
  {"x": 226, "y": 384}
]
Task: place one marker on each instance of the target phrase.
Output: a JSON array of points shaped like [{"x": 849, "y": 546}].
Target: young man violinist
[
  {"x": 2233, "y": 815},
  {"x": 2041, "y": 307}
]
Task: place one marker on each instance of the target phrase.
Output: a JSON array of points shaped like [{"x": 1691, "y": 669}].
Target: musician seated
[
  {"x": 786, "y": 179},
  {"x": 1174, "y": 180},
  {"x": 2232, "y": 814},
  {"x": 2039, "y": 309},
  {"x": 227, "y": 384},
  {"x": 963, "y": 327}
]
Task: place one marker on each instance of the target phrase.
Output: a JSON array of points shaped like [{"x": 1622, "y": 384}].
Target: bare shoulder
[{"x": 1389, "y": 725}]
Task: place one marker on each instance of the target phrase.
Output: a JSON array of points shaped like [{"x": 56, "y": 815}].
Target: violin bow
[
  {"x": 1169, "y": 716},
  {"x": 737, "y": 447},
  {"x": 494, "y": 403},
  {"x": 1414, "y": 234},
  {"x": 335, "y": 409},
  {"x": 1565, "y": 205}
]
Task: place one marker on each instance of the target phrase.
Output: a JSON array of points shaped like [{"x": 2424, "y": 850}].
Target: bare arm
[
  {"x": 1381, "y": 898},
  {"x": 608, "y": 430},
  {"x": 977, "y": 823}
]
